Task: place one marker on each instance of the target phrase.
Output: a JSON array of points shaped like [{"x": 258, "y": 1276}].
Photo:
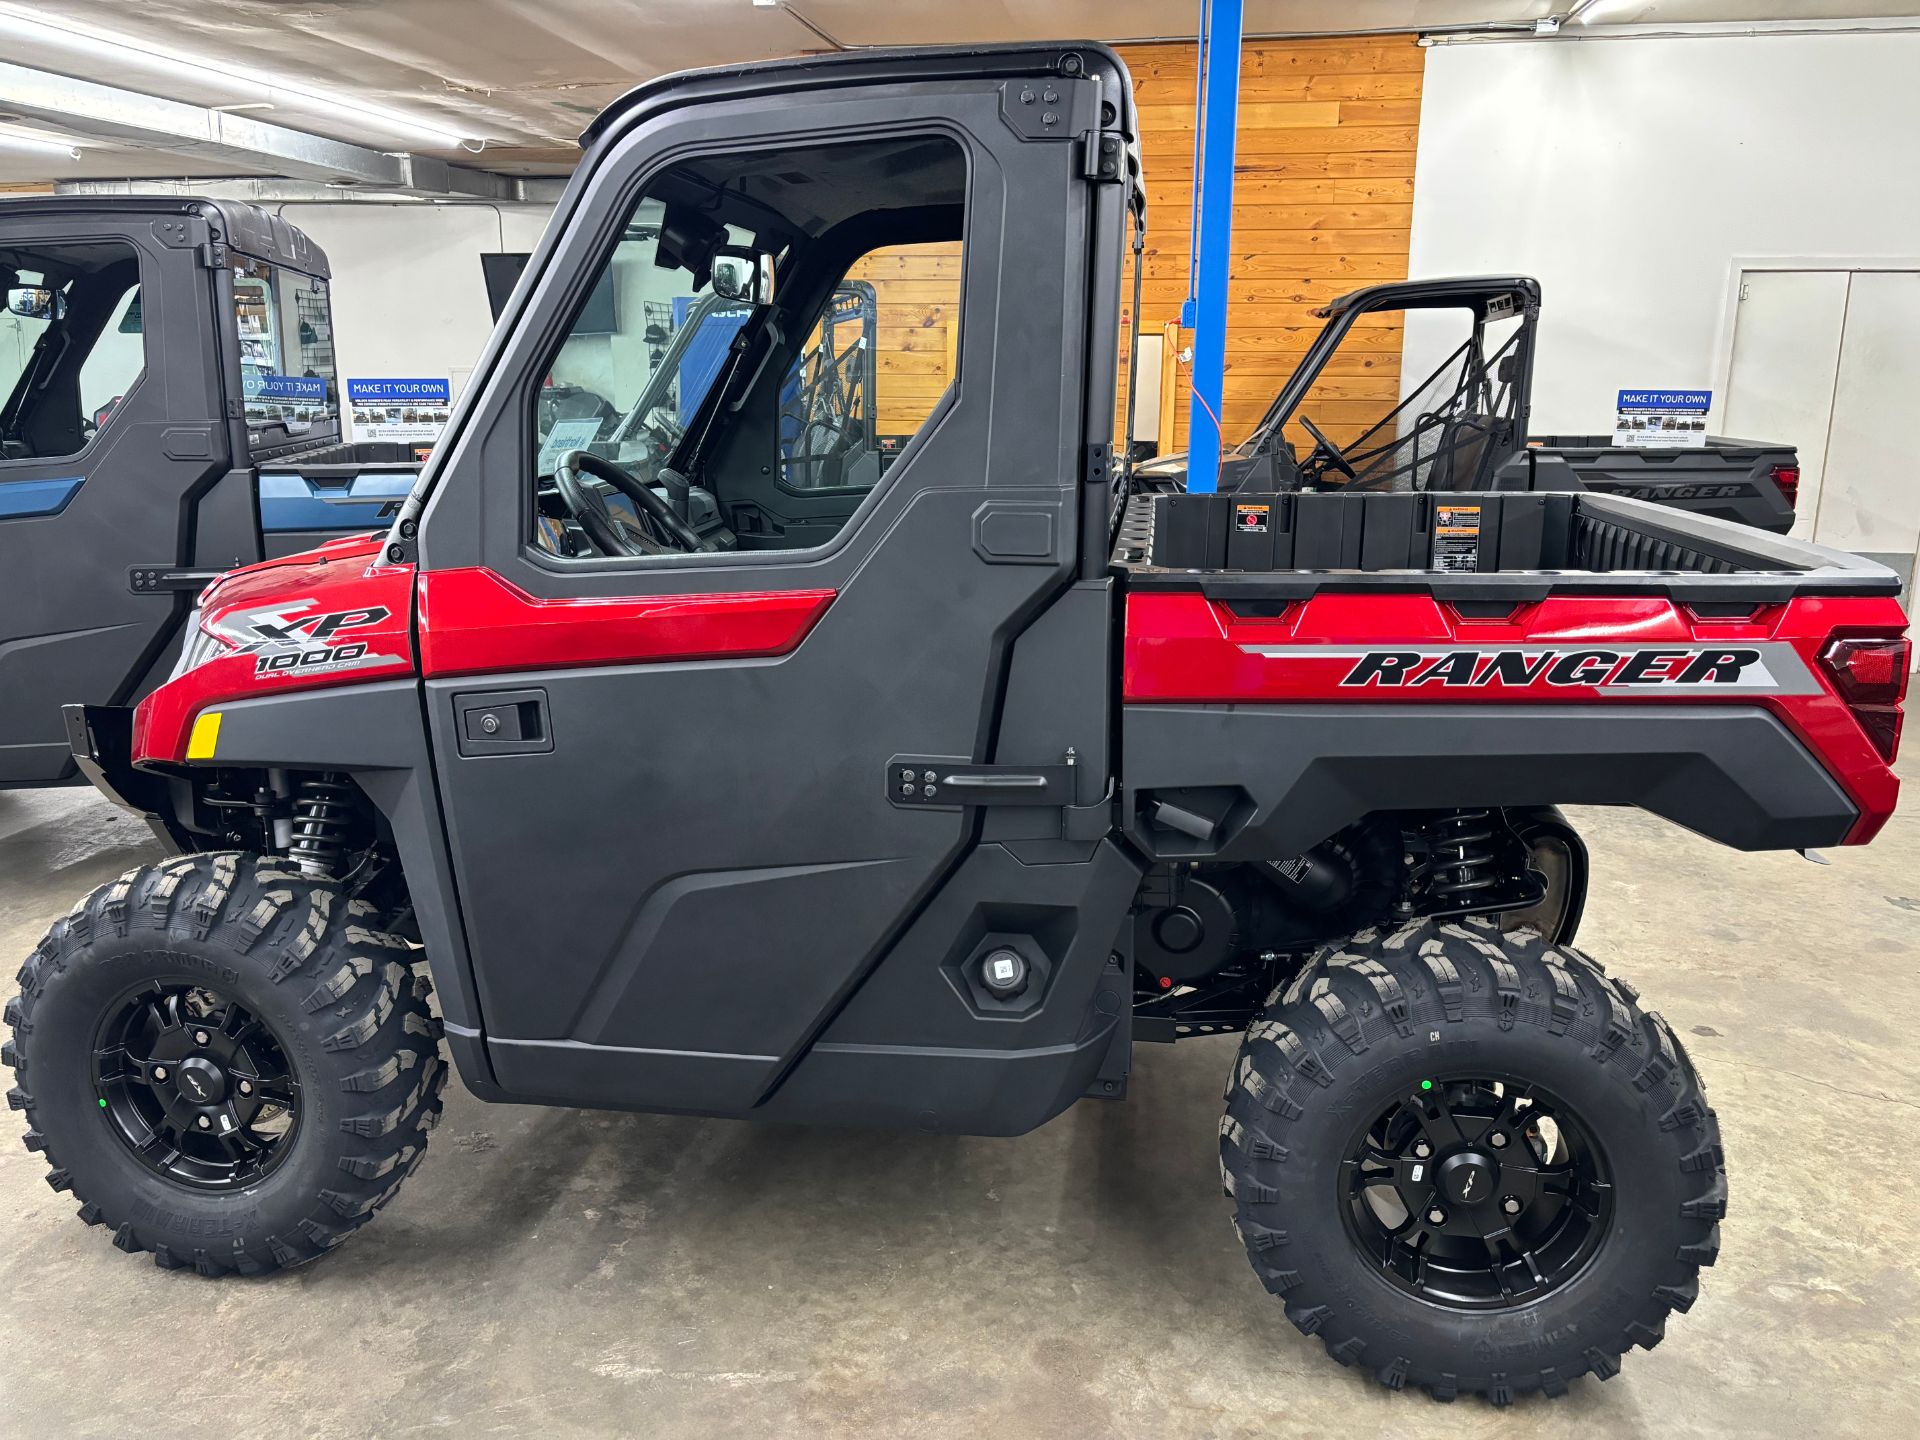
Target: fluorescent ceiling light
[
  {"x": 1595, "y": 12},
  {"x": 31, "y": 24},
  {"x": 14, "y": 140}
]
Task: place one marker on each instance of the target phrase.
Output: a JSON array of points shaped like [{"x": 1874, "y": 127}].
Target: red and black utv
[{"x": 918, "y": 800}]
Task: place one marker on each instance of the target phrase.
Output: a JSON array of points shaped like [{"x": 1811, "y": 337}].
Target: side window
[
  {"x": 874, "y": 368},
  {"x": 115, "y": 361},
  {"x": 659, "y": 426},
  {"x": 71, "y": 344}
]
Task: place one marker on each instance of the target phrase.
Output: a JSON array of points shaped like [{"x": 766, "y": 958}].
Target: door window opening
[{"x": 762, "y": 420}]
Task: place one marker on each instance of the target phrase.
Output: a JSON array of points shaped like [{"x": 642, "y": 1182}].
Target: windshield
[{"x": 1380, "y": 428}]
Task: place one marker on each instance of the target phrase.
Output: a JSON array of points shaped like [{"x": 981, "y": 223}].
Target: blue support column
[{"x": 1211, "y": 265}]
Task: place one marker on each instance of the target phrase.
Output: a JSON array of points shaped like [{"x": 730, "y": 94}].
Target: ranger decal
[
  {"x": 1760, "y": 668},
  {"x": 1734, "y": 666}
]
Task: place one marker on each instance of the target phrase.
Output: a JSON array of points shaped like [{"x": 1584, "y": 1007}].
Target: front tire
[
  {"x": 229, "y": 1065},
  {"x": 1468, "y": 1161}
]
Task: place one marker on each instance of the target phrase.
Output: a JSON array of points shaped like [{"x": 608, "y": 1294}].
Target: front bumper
[{"x": 101, "y": 738}]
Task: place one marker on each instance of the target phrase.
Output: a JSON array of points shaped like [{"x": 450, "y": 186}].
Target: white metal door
[
  {"x": 1870, "y": 503},
  {"x": 1786, "y": 352}
]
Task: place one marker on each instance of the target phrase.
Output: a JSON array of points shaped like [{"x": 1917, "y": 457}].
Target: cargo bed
[{"x": 1472, "y": 546}]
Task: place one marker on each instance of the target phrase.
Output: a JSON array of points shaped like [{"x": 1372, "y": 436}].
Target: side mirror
[
  {"x": 37, "y": 302},
  {"x": 743, "y": 274}
]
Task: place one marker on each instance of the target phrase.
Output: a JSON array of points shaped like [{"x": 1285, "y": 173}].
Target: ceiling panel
[{"x": 524, "y": 77}]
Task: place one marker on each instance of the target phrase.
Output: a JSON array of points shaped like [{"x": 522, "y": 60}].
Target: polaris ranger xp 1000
[{"x": 917, "y": 795}]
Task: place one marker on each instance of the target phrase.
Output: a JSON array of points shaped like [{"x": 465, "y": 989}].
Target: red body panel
[
  {"x": 473, "y": 622},
  {"x": 337, "y": 615},
  {"x": 1184, "y": 647}
]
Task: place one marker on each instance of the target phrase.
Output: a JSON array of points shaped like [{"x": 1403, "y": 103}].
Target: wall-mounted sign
[
  {"x": 399, "y": 409},
  {"x": 258, "y": 385},
  {"x": 1670, "y": 419},
  {"x": 294, "y": 401}
]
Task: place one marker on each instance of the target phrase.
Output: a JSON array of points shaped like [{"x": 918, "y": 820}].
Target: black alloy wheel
[
  {"x": 1477, "y": 1192},
  {"x": 196, "y": 1086}
]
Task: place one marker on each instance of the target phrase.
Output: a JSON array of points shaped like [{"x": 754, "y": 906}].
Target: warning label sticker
[
  {"x": 1456, "y": 537},
  {"x": 1250, "y": 519}
]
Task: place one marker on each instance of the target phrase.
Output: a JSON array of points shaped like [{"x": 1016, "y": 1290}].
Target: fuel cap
[{"x": 1004, "y": 973}]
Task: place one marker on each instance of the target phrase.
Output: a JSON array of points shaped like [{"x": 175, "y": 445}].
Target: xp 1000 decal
[{"x": 287, "y": 639}]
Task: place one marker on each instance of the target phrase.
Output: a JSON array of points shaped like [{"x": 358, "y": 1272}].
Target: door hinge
[{"x": 1103, "y": 157}]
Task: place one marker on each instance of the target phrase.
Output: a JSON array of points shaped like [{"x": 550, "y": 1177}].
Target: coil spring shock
[
  {"x": 322, "y": 812},
  {"x": 1464, "y": 857}
]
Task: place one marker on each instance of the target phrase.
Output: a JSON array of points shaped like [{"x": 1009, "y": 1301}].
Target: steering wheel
[
  {"x": 588, "y": 506},
  {"x": 1330, "y": 450}
]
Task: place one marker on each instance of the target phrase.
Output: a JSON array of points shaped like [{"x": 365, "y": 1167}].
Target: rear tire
[
  {"x": 1345, "y": 1093},
  {"x": 229, "y": 1065}
]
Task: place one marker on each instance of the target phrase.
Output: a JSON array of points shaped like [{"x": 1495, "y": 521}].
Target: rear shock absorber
[
  {"x": 322, "y": 814},
  {"x": 1464, "y": 857}
]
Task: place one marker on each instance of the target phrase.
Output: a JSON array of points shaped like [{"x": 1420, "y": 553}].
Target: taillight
[
  {"x": 1787, "y": 477},
  {"x": 1870, "y": 672}
]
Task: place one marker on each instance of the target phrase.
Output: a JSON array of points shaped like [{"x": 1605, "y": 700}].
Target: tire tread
[{"x": 288, "y": 926}]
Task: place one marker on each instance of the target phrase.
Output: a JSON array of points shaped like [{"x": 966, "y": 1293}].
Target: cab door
[
  {"x": 111, "y": 427},
  {"x": 673, "y": 784}
]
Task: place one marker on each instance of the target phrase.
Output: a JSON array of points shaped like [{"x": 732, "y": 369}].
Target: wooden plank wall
[
  {"x": 1323, "y": 204},
  {"x": 916, "y": 290}
]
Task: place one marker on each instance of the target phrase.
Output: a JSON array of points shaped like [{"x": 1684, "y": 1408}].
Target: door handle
[
  {"x": 919, "y": 782},
  {"x": 501, "y": 722},
  {"x": 981, "y": 781}
]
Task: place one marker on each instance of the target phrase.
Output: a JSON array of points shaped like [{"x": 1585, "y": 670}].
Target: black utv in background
[
  {"x": 169, "y": 409},
  {"x": 1465, "y": 425}
]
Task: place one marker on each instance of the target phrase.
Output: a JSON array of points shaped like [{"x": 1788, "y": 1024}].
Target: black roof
[
  {"x": 802, "y": 73},
  {"x": 246, "y": 228}
]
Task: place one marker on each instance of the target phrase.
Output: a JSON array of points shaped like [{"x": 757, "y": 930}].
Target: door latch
[
  {"x": 919, "y": 782},
  {"x": 502, "y": 722}
]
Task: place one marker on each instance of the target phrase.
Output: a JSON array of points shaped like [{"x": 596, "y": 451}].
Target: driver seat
[{"x": 1465, "y": 444}]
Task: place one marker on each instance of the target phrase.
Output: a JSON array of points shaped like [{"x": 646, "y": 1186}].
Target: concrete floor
[{"x": 570, "y": 1272}]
